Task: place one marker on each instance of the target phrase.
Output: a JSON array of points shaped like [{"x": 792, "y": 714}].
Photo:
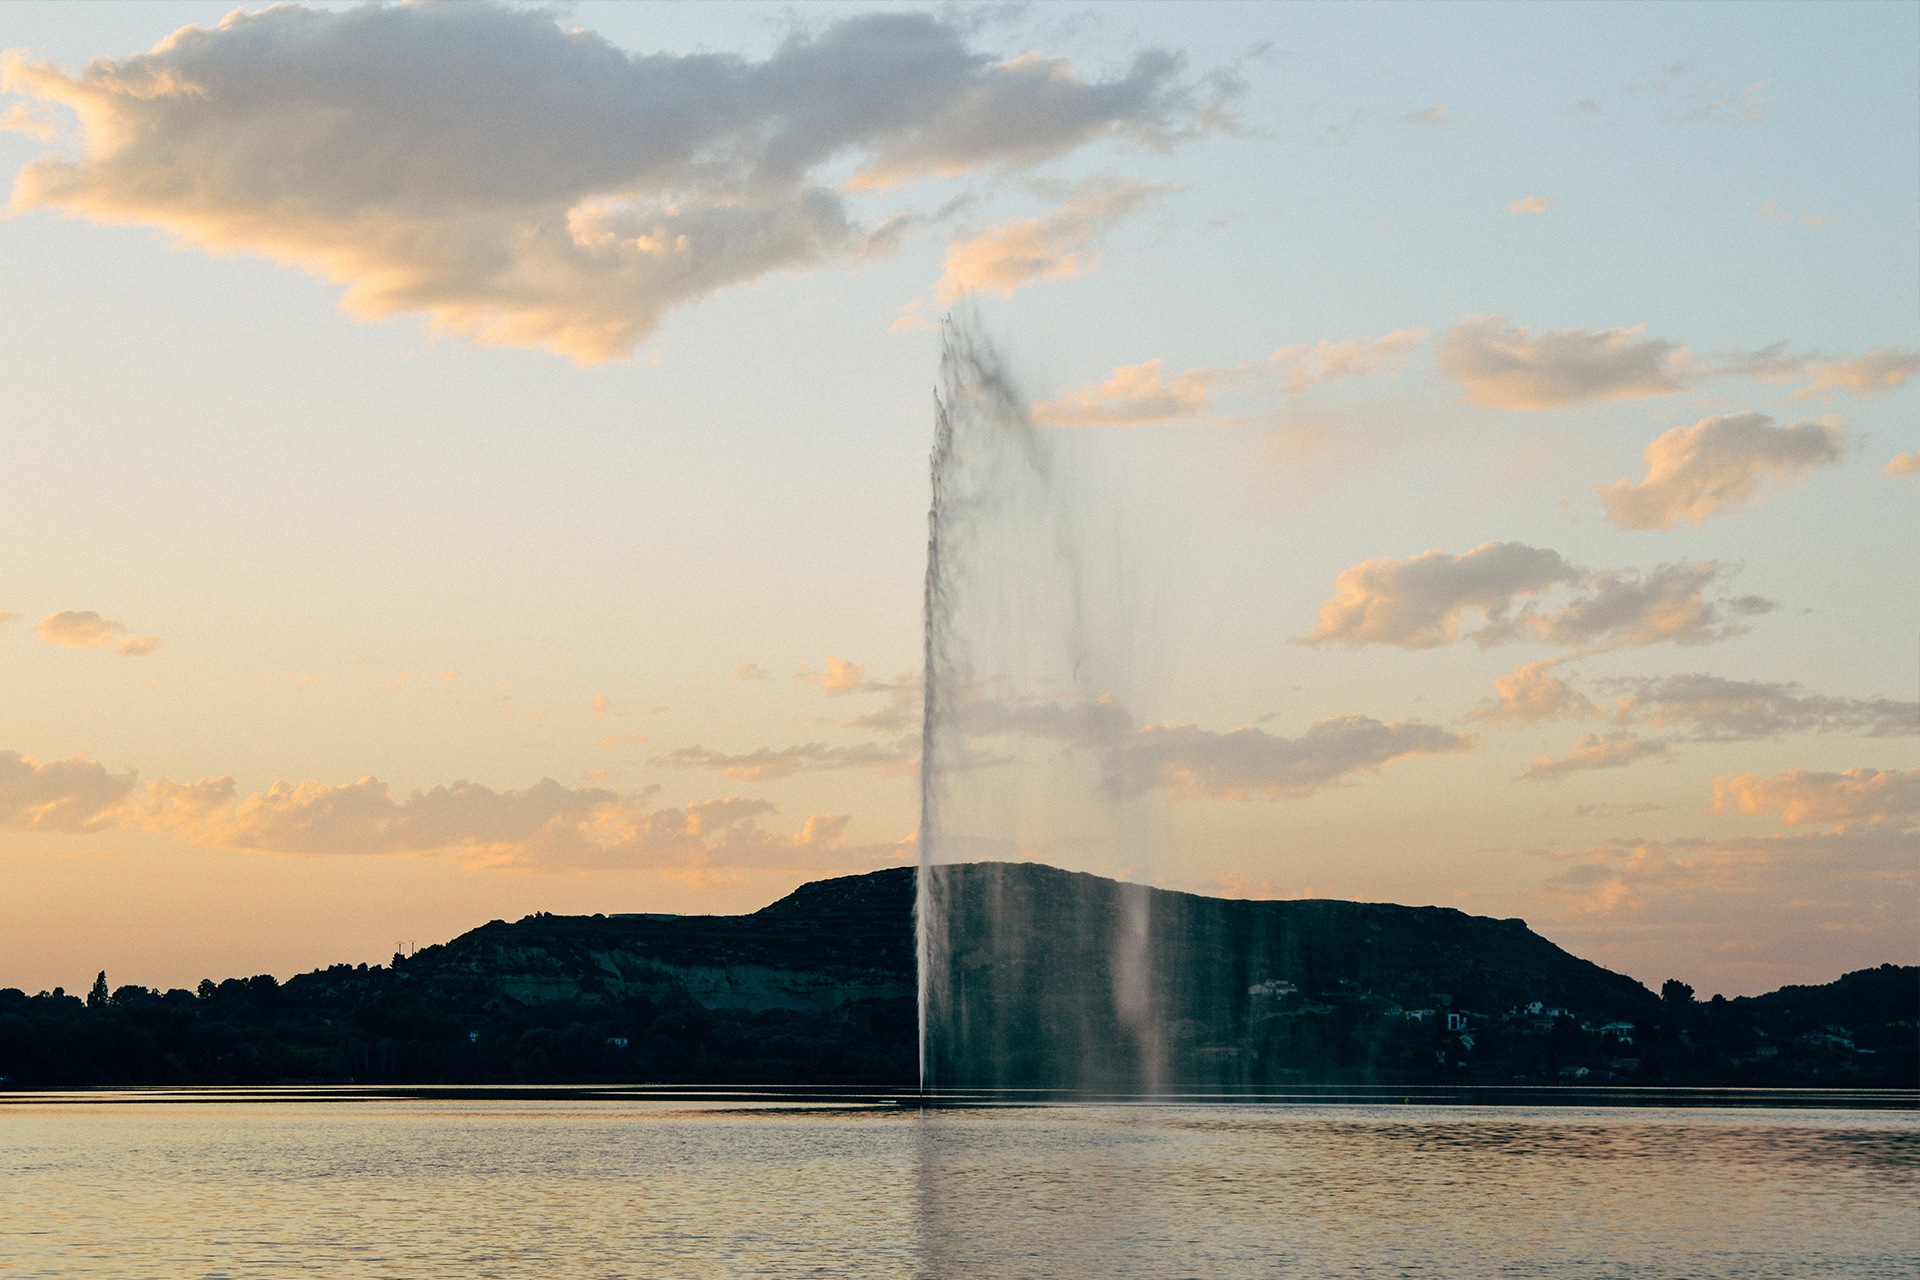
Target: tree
[
  {"x": 1676, "y": 993},
  {"x": 98, "y": 997}
]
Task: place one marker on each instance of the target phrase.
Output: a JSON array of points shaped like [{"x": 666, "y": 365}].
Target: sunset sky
[{"x": 469, "y": 460}]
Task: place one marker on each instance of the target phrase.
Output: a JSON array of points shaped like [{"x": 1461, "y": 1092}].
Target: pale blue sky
[{"x": 319, "y": 517}]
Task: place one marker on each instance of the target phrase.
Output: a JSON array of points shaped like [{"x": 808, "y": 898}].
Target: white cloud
[
  {"x": 1596, "y": 751},
  {"x": 523, "y": 185},
  {"x": 1717, "y": 464},
  {"x": 1802, "y": 796},
  {"x": 1143, "y": 393},
  {"x": 1197, "y": 763},
  {"x": 1054, "y": 246},
  {"x": 1422, "y": 602},
  {"x": 85, "y": 629}
]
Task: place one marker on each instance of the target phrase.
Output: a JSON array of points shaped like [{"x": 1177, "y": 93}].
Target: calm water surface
[{"x": 563, "y": 1189}]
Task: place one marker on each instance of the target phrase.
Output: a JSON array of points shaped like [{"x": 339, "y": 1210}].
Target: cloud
[
  {"x": 841, "y": 677},
  {"x": 1197, "y": 763},
  {"x": 1625, "y": 608},
  {"x": 1529, "y": 695},
  {"x": 1607, "y": 809},
  {"x": 1717, "y": 464},
  {"x": 1532, "y": 204},
  {"x": 1748, "y": 107},
  {"x": 1143, "y": 393},
  {"x": 1800, "y": 796},
  {"x": 1054, "y": 246},
  {"x": 6, "y": 617},
  {"x": 1866, "y": 375},
  {"x": 1101, "y": 723},
  {"x": 523, "y": 185},
  {"x": 1722, "y": 710},
  {"x": 546, "y": 827},
  {"x": 1903, "y": 464},
  {"x": 750, "y": 671},
  {"x": 1506, "y": 367},
  {"x": 85, "y": 629},
  {"x": 1422, "y": 602},
  {"x": 901, "y": 713},
  {"x": 59, "y": 795},
  {"x": 1771, "y": 209},
  {"x": 1192, "y": 763},
  {"x": 1438, "y": 116},
  {"x": 1419, "y": 603},
  {"x": 769, "y": 763},
  {"x": 1595, "y": 751},
  {"x": 1135, "y": 394},
  {"x": 1838, "y": 878}
]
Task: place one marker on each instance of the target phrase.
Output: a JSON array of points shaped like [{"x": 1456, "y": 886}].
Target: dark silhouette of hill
[
  {"x": 818, "y": 988},
  {"x": 1065, "y": 980}
]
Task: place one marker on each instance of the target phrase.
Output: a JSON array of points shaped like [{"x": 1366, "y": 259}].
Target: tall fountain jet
[{"x": 1025, "y": 979}]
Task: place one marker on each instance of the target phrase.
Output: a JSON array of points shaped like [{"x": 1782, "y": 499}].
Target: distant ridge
[{"x": 818, "y": 988}]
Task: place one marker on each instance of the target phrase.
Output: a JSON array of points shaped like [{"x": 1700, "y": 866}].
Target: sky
[{"x": 466, "y": 460}]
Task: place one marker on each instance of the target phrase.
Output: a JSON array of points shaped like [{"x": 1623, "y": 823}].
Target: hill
[{"x": 818, "y": 988}]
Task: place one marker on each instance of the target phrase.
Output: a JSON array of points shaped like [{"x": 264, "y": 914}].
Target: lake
[{"x": 626, "y": 1183}]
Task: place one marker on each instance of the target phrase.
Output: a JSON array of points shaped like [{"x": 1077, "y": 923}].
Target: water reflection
[{"x": 563, "y": 1189}]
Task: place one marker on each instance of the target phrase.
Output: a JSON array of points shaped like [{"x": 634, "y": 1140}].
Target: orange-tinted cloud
[
  {"x": 1438, "y": 116},
  {"x": 1506, "y": 366},
  {"x": 1194, "y": 763},
  {"x": 768, "y": 763},
  {"x": 1530, "y": 694},
  {"x": 85, "y": 629},
  {"x": 1801, "y": 796},
  {"x": 525, "y": 185},
  {"x": 1054, "y": 246},
  {"x": 1715, "y": 465},
  {"x": 546, "y": 827},
  {"x": 1716, "y": 709},
  {"x": 1143, "y": 393},
  {"x": 1423, "y": 601},
  {"x": 1497, "y": 364},
  {"x": 1903, "y": 464},
  {"x": 1596, "y": 751},
  {"x": 1865, "y": 375},
  {"x": 60, "y": 795}
]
